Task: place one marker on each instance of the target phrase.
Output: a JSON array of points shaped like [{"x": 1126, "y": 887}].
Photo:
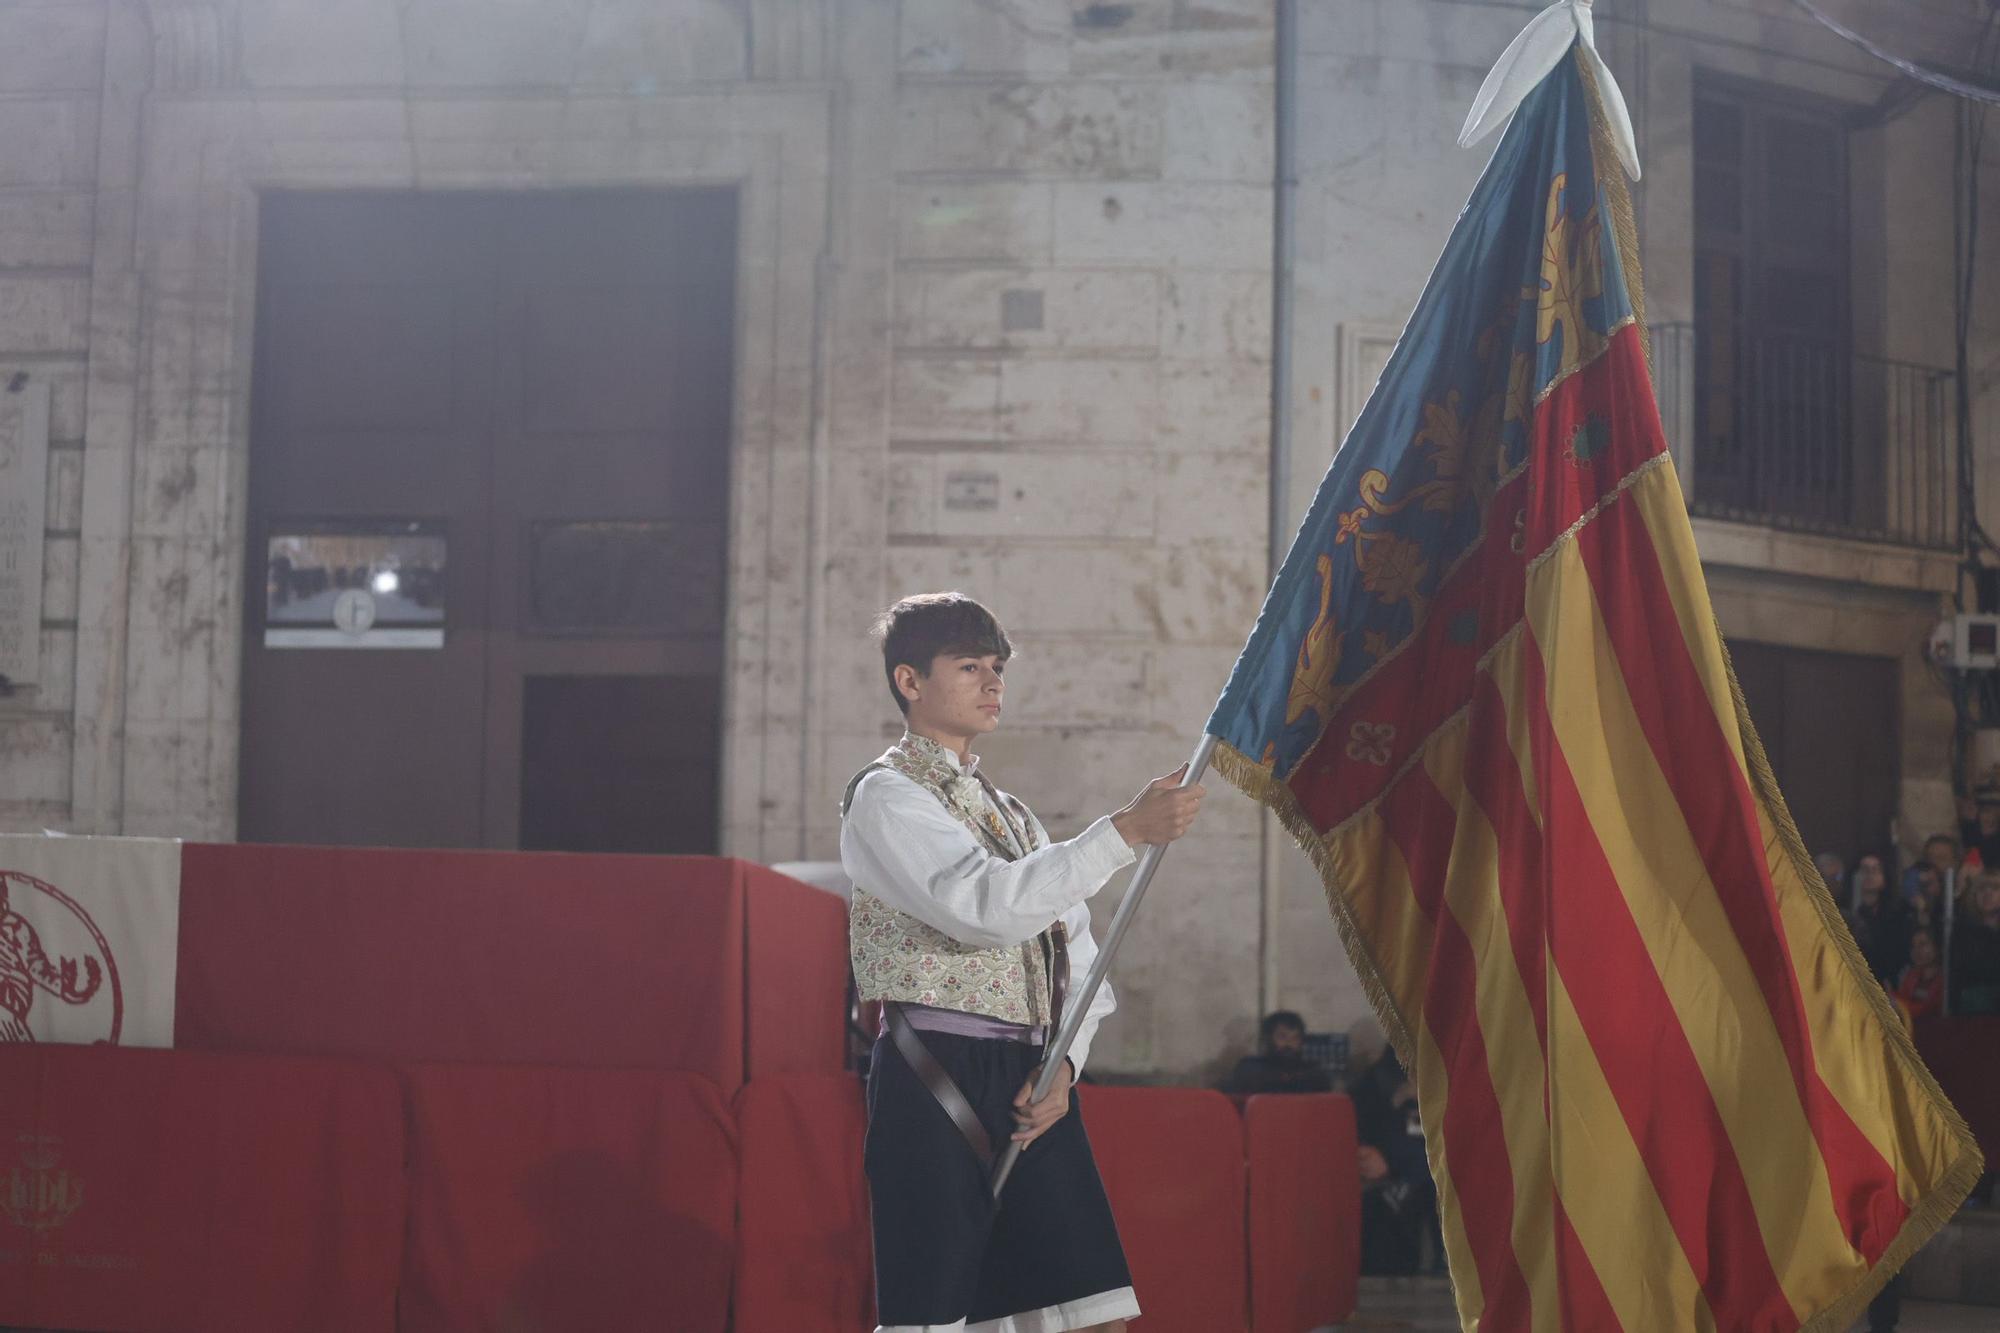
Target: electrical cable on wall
[
  {"x": 1977, "y": 701},
  {"x": 1921, "y": 73}
]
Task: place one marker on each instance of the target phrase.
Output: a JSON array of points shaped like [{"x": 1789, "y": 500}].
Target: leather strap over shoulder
[
  {"x": 933, "y": 1076},
  {"x": 1017, "y": 829},
  {"x": 1055, "y": 954}
]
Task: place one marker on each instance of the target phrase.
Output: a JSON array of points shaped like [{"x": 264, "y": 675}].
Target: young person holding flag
[{"x": 966, "y": 921}]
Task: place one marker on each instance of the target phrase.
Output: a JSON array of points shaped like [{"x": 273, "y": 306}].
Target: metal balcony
[{"x": 1799, "y": 433}]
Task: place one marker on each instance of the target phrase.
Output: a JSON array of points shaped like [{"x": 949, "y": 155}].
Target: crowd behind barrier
[{"x": 1930, "y": 931}]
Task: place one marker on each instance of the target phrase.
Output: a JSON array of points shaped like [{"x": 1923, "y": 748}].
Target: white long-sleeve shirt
[{"x": 899, "y": 843}]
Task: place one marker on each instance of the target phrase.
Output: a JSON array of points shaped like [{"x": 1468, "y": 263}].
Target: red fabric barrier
[
  {"x": 802, "y": 1259},
  {"x": 1305, "y": 1211},
  {"x": 509, "y": 958},
  {"x": 559, "y": 1199},
  {"x": 157, "y": 1190},
  {"x": 795, "y": 976},
  {"x": 1172, "y": 1162},
  {"x": 1964, "y": 1056}
]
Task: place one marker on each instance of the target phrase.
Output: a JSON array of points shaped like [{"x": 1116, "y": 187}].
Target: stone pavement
[{"x": 1423, "y": 1305}]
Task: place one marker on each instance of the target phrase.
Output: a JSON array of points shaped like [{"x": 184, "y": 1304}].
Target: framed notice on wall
[
  {"x": 24, "y": 474},
  {"x": 1362, "y": 352},
  {"x": 355, "y": 585}
]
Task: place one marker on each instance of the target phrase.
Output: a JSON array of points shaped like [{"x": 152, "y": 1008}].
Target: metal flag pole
[
  {"x": 1944, "y": 943},
  {"x": 1079, "y": 1003}
]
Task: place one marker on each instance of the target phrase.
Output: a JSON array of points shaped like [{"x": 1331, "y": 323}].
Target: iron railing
[{"x": 1797, "y": 432}]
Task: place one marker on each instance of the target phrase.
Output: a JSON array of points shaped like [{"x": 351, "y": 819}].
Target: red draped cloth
[{"x": 168, "y": 1190}]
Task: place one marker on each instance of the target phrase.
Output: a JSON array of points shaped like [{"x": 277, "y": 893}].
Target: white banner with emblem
[{"x": 89, "y": 939}]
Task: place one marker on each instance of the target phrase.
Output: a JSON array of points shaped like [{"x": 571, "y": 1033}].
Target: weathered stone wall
[
  {"x": 142, "y": 133},
  {"x": 1096, "y": 468},
  {"x": 51, "y": 70},
  {"x": 907, "y": 170}
]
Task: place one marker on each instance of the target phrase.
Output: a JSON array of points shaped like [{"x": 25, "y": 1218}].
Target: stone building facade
[{"x": 1003, "y": 308}]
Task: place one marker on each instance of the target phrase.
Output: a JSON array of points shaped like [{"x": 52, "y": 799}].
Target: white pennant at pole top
[{"x": 1528, "y": 60}]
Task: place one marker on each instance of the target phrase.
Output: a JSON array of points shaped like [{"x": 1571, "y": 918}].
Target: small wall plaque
[
  {"x": 1021, "y": 310},
  {"x": 971, "y": 491}
]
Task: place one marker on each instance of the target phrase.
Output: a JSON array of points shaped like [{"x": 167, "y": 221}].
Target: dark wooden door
[
  {"x": 545, "y": 381},
  {"x": 1831, "y": 725},
  {"x": 1772, "y": 309}
]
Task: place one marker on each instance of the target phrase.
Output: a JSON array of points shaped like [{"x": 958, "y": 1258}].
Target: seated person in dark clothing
[
  {"x": 1975, "y": 950},
  {"x": 1280, "y": 1064},
  {"x": 1398, "y": 1201},
  {"x": 1979, "y": 827},
  {"x": 1923, "y": 894},
  {"x": 1880, "y": 921},
  {"x": 1939, "y": 863}
]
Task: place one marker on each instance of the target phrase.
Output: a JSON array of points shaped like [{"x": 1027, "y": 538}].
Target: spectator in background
[
  {"x": 1940, "y": 856},
  {"x": 1834, "y": 871},
  {"x": 1979, "y": 827},
  {"x": 1975, "y": 950},
  {"x": 1280, "y": 1064},
  {"x": 1880, "y": 921},
  {"x": 1924, "y": 896},
  {"x": 1398, "y": 1201},
  {"x": 1921, "y": 988}
]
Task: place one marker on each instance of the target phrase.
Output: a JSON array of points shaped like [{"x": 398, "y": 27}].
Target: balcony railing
[{"x": 1796, "y": 432}]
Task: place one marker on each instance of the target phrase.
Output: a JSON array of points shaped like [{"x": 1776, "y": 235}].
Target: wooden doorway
[
  {"x": 489, "y": 483},
  {"x": 1831, "y": 723},
  {"x": 1774, "y": 360}
]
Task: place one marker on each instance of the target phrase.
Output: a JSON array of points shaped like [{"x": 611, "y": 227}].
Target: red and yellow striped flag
[{"x": 1659, "y": 1089}]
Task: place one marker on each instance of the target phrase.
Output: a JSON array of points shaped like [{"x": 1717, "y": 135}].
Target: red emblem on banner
[
  {"x": 39, "y": 1193},
  {"x": 50, "y": 947}
]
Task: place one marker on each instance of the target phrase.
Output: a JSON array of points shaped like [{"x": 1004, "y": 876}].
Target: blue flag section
[{"x": 1447, "y": 423}]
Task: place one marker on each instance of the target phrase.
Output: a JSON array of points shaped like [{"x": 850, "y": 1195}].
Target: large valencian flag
[{"x": 1487, "y": 695}]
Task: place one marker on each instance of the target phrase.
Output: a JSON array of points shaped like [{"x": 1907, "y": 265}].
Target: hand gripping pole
[{"x": 1078, "y": 1003}]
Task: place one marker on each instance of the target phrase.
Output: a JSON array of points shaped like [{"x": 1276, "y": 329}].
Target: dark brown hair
[
  {"x": 1280, "y": 1018},
  {"x": 918, "y": 630}
]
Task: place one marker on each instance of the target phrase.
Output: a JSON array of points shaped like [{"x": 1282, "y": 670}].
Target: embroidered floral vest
[{"x": 897, "y": 957}]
